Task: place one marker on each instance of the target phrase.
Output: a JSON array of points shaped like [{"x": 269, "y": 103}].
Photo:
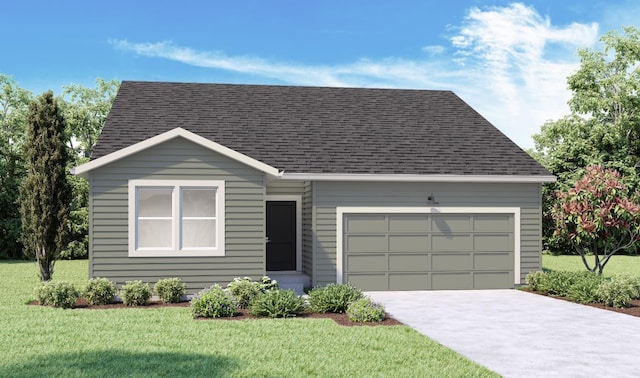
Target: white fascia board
[
  {"x": 417, "y": 178},
  {"x": 83, "y": 169}
]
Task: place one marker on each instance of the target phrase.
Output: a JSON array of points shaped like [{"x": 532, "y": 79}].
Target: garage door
[{"x": 428, "y": 251}]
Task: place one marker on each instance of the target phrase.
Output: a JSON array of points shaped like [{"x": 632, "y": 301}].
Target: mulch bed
[
  {"x": 242, "y": 314},
  {"x": 633, "y": 309}
]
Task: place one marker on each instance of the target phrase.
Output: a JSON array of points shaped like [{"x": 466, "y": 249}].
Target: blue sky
[{"x": 509, "y": 60}]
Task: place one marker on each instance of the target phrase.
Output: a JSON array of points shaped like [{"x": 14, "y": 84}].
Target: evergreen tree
[{"x": 45, "y": 193}]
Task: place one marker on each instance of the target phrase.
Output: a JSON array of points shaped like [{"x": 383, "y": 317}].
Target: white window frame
[{"x": 176, "y": 250}]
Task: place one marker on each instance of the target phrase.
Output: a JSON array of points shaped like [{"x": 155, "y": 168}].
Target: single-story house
[{"x": 386, "y": 189}]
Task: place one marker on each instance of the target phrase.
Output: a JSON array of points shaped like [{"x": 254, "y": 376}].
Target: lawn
[
  {"x": 617, "y": 264},
  {"x": 37, "y": 341}
]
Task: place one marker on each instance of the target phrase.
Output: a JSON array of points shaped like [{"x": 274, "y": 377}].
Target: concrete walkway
[{"x": 519, "y": 334}]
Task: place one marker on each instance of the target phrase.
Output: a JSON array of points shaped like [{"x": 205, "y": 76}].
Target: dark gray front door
[{"x": 281, "y": 235}]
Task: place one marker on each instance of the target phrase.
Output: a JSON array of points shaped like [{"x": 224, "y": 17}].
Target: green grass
[
  {"x": 617, "y": 264},
  {"x": 38, "y": 341}
]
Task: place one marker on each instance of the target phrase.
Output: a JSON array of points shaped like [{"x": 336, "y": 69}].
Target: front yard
[
  {"x": 39, "y": 341},
  {"x": 619, "y": 264}
]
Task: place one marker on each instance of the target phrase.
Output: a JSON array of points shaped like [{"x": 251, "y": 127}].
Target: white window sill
[{"x": 184, "y": 253}]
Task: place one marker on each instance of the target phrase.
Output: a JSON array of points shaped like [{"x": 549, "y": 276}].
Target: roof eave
[
  {"x": 84, "y": 169},
  {"x": 514, "y": 179}
]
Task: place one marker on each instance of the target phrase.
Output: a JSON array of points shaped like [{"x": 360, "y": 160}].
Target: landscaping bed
[
  {"x": 619, "y": 293},
  {"x": 633, "y": 309},
  {"x": 241, "y": 314}
]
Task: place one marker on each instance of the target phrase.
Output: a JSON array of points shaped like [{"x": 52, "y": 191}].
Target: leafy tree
[
  {"x": 86, "y": 111},
  {"x": 45, "y": 193},
  {"x": 597, "y": 216},
  {"x": 604, "y": 124},
  {"x": 14, "y": 102}
]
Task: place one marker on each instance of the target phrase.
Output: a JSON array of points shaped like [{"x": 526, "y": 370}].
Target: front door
[{"x": 281, "y": 235}]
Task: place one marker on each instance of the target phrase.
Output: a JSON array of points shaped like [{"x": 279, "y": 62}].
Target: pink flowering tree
[{"x": 598, "y": 216}]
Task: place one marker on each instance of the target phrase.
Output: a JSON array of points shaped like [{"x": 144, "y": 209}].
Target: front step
[{"x": 291, "y": 281}]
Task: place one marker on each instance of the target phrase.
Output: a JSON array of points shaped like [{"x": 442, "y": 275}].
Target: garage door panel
[
  {"x": 366, "y": 243},
  {"x": 369, "y": 281},
  {"x": 367, "y": 263},
  {"x": 408, "y": 243},
  {"x": 493, "y": 280},
  {"x": 451, "y": 281},
  {"x": 444, "y": 262},
  {"x": 493, "y": 261},
  {"x": 370, "y": 223},
  {"x": 493, "y": 223},
  {"x": 492, "y": 242},
  {"x": 448, "y": 223},
  {"x": 409, "y": 223},
  {"x": 409, "y": 262},
  {"x": 408, "y": 281},
  {"x": 441, "y": 243}
]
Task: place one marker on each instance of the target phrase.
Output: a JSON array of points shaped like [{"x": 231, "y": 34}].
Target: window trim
[{"x": 177, "y": 186}]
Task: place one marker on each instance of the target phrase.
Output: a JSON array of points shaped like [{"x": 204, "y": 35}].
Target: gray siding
[
  {"x": 174, "y": 160},
  {"x": 328, "y": 195},
  {"x": 285, "y": 187}
]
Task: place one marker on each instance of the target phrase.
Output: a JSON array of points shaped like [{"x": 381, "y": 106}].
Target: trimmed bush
[
  {"x": 135, "y": 293},
  {"x": 365, "y": 310},
  {"x": 618, "y": 291},
  {"x": 584, "y": 289},
  {"x": 100, "y": 291},
  {"x": 57, "y": 294},
  {"x": 267, "y": 284},
  {"x": 558, "y": 283},
  {"x": 170, "y": 290},
  {"x": 333, "y": 298},
  {"x": 534, "y": 279},
  {"x": 243, "y": 291},
  {"x": 213, "y": 303},
  {"x": 277, "y": 304}
]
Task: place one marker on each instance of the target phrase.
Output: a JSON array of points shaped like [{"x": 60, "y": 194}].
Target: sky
[{"x": 508, "y": 60}]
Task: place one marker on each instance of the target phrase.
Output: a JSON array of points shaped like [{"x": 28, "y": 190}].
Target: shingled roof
[{"x": 321, "y": 130}]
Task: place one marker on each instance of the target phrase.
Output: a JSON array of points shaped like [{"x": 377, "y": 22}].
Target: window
[{"x": 176, "y": 218}]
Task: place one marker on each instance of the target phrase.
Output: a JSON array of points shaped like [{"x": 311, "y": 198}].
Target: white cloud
[
  {"x": 501, "y": 66},
  {"x": 434, "y": 49},
  {"x": 517, "y": 84}
]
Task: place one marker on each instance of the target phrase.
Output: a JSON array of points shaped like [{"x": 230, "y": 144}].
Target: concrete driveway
[{"x": 519, "y": 334}]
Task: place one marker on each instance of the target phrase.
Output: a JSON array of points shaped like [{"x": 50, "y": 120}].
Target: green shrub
[
  {"x": 333, "y": 298},
  {"x": 618, "y": 291},
  {"x": 100, "y": 291},
  {"x": 135, "y": 293},
  {"x": 277, "y": 304},
  {"x": 365, "y": 310},
  {"x": 267, "y": 284},
  {"x": 584, "y": 288},
  {"x": 170, "y": 290},
  {"x": 213, "y": 303},
  {"x": 57, "y": 294},
  {"x": 534, "y": 279},
  {"x": 559, "y": 282},
  {"x": 243, "y": 290}
]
